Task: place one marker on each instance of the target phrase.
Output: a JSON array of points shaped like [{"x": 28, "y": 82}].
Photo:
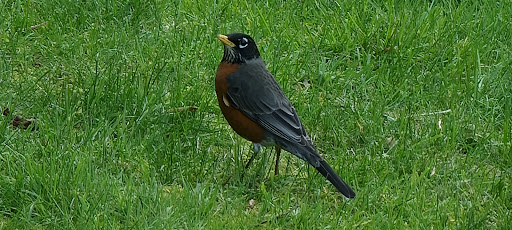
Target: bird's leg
[
  {"x": 256, "y": 150},
  {"x": 278, "y": 154}
]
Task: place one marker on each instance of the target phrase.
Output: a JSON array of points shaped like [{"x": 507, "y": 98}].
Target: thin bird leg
[
  {"x": 278, "y": 154},
  {"x": 250, "y": 160},
  {"x": 257, "y": 149}
]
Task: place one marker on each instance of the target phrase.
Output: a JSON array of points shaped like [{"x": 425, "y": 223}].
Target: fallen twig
[
  {"x": 184, "y": 108},
  {"x": 434, "y": 113},
  {"x": 38, "y": 25}
]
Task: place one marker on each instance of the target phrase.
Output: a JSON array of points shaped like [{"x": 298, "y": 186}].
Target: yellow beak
[{"x": 224, "y": 39}]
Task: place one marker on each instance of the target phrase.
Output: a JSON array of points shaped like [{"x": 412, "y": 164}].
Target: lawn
[{"x": 410, "y": 101}]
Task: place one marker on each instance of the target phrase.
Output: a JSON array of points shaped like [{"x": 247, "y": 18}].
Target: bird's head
[{"x": 238, "y": 48}]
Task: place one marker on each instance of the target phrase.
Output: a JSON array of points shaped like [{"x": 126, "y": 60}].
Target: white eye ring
[{"x": 243, "y": 43}]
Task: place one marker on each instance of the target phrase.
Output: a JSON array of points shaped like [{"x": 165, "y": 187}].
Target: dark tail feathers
[{"x": 326, "y": 170}]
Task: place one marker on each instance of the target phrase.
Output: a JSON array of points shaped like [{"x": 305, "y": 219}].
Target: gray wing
[{"x": 254, "y": 91}]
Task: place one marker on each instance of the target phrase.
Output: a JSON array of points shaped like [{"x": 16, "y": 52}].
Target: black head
[{"x": 238, "y": 48}]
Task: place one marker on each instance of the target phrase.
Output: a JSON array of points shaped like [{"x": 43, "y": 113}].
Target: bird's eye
[{"x": 243, "y": 43}]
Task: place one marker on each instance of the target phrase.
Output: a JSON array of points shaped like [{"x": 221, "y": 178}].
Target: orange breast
[{"x": 242, "y": 125}]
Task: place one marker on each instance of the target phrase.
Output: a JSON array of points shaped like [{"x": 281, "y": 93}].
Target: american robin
[{"x": 256, "y": 108}]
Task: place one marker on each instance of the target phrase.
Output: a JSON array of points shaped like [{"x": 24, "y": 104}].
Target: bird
[{"x": 257, "y": 109}]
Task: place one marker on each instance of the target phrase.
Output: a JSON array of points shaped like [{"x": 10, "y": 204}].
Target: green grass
[{"x": 369, "y": 79}]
